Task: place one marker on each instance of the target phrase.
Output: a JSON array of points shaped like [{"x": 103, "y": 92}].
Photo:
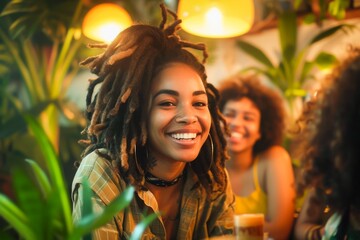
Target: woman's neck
[
  {"x": 240, "y": 161},
  {"x": 161, "y": 182},
  {"x": 167, "y": 171},
  {"x": 169, "y": 203}
]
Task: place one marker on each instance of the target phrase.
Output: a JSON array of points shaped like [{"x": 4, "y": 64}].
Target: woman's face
[
  {"x": 243, "y": 118},
  {"x": 179, "y": 117}
]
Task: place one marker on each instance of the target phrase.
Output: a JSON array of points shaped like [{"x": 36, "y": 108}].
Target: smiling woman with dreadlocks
[{"x": 154, "y": 124}]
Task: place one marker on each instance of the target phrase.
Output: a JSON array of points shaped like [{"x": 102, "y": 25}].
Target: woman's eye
[
  {"x": 249, "y": 118},
  {"x": 200, "y": 104},
  {"x": 229, "y": 115},
  {"x": 166, "y": 104}
]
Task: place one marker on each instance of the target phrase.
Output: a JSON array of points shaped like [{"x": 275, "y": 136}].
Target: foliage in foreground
[{"x": 42, "y": 208}]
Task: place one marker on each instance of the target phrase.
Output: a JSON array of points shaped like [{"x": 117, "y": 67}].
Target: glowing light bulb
[
  {"x": 105, "y": 21},
  {"x": 216, "y": 18}
]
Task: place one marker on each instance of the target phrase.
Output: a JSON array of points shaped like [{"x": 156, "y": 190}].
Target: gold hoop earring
[
  {"x": 211, "y": 150},
  {"x": 199, "y": 164}
]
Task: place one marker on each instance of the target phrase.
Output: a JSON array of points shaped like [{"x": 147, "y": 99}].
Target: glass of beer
[{"x": 249, "y": 226}]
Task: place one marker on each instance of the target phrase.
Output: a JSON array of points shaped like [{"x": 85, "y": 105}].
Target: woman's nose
[
  {"x": 235, "y": 121},
  {"x": 186, "y": 115}
]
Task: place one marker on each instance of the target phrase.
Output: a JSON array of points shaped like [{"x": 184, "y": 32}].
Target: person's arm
[
  {"x": 280, "y": 188},
  {"x": 309, "y": 225}
]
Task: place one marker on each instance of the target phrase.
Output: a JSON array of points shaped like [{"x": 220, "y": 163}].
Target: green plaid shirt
[{"x": 200, "y": 218}]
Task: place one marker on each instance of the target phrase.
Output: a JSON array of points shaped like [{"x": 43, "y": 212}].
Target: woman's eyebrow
[
  {"x": 252, "y": 113},
  {"x": 166, "y": 91},
  {"x": 200, "y": 92},
  {"x": 175, "y": 93}
]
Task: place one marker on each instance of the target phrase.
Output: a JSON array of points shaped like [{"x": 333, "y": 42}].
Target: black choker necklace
[{"x": 160, "y": 182}]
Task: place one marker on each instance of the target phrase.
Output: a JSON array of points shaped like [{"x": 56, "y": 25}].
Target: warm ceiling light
[
  {"x": 105, "y": 21},
  {"x": 216, "y": 18}
]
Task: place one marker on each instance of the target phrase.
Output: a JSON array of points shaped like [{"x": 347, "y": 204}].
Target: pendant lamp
[
  {"x": 105, "y": 21},
  {"x": 216, "y": 18}
]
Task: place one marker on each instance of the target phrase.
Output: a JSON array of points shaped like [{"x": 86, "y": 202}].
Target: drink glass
[{"x": 249, "y": 226}]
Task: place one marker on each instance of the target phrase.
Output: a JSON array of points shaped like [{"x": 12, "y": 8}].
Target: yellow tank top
[{"x": 256, "y": 202}]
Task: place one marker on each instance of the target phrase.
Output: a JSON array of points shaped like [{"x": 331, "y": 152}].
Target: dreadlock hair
[{"x": 117, "y": 114}]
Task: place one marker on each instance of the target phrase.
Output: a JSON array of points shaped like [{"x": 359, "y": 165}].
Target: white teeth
[
  {"x": 236, "y": 135},
  {"x": 184, "y": 135}
]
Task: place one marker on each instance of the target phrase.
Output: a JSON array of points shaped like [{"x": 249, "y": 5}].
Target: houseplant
[
  {"x": 38, "y": 58},
  {"x": 40, "y": 48},
  {"x": 42, "y": 207},
  {"x": 293, "y": 68},
  {"x": 43, "y": 40}
]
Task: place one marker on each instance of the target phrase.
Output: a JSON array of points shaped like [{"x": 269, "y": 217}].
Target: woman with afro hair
[
  {"x": 260, "y": 169},
  {"x": 329, "y": 150}
]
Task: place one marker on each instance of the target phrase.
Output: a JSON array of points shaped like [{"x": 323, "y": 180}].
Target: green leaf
[
  {"x": 86, "y": 209},
  {"x": 309, "y": 18},
  {"x": 325, "y": 60},
  {"x": 280, "y": 76},
  {"x": 16, "y": 7},
  {"x": 327, "y": 33},
  {"x": 337, "y": 8},
  {"x": 288, "y": 35},
  {"x": 7, "y": 206},
  {"x": 56, "y": 226},
  {"x": 91, "y": 222},
  {"x": 17, "y": 219},
  {"x": 295, "y": 92},
  {"x": 18, "y": 26},
  {"x": 286, "y": 72},
  {"x": 41, "y": 178},
  {"x": 27, "y": 192},
  {"x": 255, "y": 53},
  {"x": 87, "y": 193},
  {"x": 271, "y": 73},
  {"x": 141, "y": 227},
  {"x": 255, "y": 69},
  {"x": 306, "y": 69},
  {"x": 53, "y": 167}
]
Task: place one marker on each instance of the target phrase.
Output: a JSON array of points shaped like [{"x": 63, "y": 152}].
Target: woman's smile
[
  {"x": 236, "y": 137},
  {"x": 185, "y": 139}
]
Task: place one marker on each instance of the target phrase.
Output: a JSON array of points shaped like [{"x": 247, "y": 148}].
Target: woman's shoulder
[
  {"x": 274, "y": 154},
  {"x": 95, "y": 167},
  {"x": 101, "y": 175},
  {"x": 275, "y": 160},
  {"x": 93, "y": 162}
]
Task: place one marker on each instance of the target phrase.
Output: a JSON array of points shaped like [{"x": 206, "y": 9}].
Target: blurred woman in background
[{"x": 260, "y": 168}]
